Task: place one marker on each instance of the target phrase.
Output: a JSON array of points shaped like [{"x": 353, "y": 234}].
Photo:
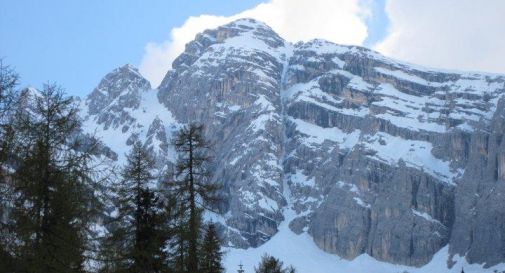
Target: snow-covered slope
[
  {"x": 123, "y": 109},
  {"x": 327, "y": 149},
  {"x": 300, "y": 251}
]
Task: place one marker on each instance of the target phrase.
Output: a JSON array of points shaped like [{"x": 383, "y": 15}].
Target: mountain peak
[
  {"x": 127, "y": 69},
  {"x": 335, "y": 141},
  {"x": 246, "y": 33},
  {"x": 121, "y": 80},
  {"x": 248, "y": 23},
  {"x": 248, "y": 27}
]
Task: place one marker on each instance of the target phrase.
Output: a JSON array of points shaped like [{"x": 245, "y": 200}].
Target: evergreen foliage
[
  {"x": 194, "y": 192},
  {"x": 55, "y": 216},
  {"x": 52, "y": 192},
  {"x": 140, "y": 231},
  {"x": 270, "y": 264},
  {"x": 211, "y": 254},
  {"x": 8, "y": 83},
  {"x": 8, "y": 94}
]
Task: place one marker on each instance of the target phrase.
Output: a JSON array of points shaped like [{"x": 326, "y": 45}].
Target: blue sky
[
  {"x": 377, "y": 23},
  {"x": 75, "y": 43}
]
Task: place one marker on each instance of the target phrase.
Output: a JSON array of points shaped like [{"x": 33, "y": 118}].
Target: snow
[
  {"x": 32, "y": 91},
  {"x": 349, "y": 186},
  {"x": 259, "y": 124},
  {"x": 416, "y": 154},
  {"x": 316, "y": 135},
  {"x": 360, "y": 112},
  {"x": 358, "y": 83},
  {"x": 310, "y": 92},
  {"x": 426, "y": 216},
  {"x": 235, "y": 160},
  {"x": 98, "y": 229},
  {"x": 389, "y": 90},
  {"x": 268, "y": 204},
  {"x": 253, "y": 200},
  {"x": 362, "y": 203},
  {"x": 234, "y": 108},
  {"x": 412, "y": 123},
  {"x": 263, "y": 170},
  {"x": 245, "y": 44},
  {"x": 132, "y": 69},
  {"x": 301, "y": 252},
  {"x": 301, "y": 179},
  {"x": 354, "y": 189},
  {"x": 407, "y": 77},
  {"x": 150, "y": 109},
  {"x": 477, "y": 84},
  {"x": 403, "y": 110},
  {"x": 406, "y": 110},
  {"x": 297, "y": 67},
  {"x": 298, "y": 89},
  {"x": 264, "y": 103},
  {"x": 339, "y": 62},
  {"x": 321, "y": 47}
]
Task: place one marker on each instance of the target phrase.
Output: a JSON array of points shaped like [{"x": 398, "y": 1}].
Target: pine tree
[
  {"x": 211, "y": 253},
  {"x": 8, "y": 94},
  {"x": 180, "y": 240},
  {"x": 192, "y": 189},
  {"x": 290, "y": 269},
  {"x": 141, "y": 231},
  {"x": 270, "y": 264},
  {"x": 54, "y": 201},
  {"x": 8, "y": 83}
]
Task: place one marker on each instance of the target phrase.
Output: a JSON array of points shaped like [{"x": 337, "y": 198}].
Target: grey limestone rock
[{"x": 373, "y": 155}]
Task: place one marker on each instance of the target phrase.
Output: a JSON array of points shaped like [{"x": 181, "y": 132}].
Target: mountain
[
  {"x": 366, "y": 156},
  {"x": 124, "y": 108}
]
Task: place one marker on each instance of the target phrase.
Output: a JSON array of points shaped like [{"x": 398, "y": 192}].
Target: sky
[{"x": 75, "y": 43}]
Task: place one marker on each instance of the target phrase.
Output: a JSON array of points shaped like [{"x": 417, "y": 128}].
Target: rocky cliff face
[
  {"x": 385, "y": 181},
  {"x": 230, "y": 80},
  {"x": 123, "y": 109},
  {"x": 374, "y": 156}
]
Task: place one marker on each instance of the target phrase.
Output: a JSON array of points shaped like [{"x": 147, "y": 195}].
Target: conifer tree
[
  {"x": 270, "y": 264},
  {"x": 54, "y": 201},
  {"x": 8, "y": 96},
  {"x": 290, "y": 269},
  {"x": 141, "y": 232},
  {"x": 8, "y": 83},
  {"x": 211, "y": 254},
  {"x": 192, "y": 189},
  {"x": 180, "y": 241}
]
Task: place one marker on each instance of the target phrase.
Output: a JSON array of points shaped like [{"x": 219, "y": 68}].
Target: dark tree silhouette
[
  {"x": 141, "y": 232},
  {"x": 211, "y": 254},
  {"x": 8, "y": 94},
  {"x": 53, "y": 197},
  {"x": 270, "y": 264},
  {"x": 192, "y": 189}
]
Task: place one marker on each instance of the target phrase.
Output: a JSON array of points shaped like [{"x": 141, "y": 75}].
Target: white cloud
[
  {"x": 340, "y": 21},
  {"x": 453, "y": 34}
]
